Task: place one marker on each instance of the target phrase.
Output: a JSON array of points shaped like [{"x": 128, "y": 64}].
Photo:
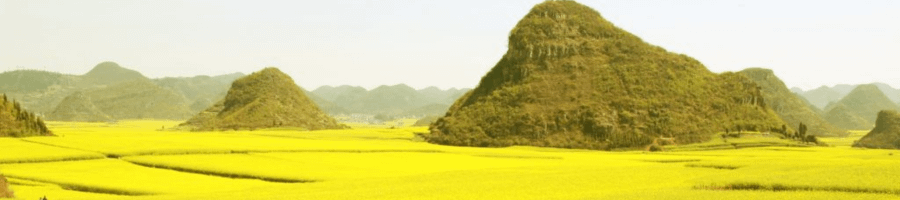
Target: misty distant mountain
[
  {"x": 859, "y": 109},
  {"x": 333, "y": 93},
  {"x": 822, "y": 96},
  {"x": 797, "y": 90},
  {"x": 200, "y": 92},
  {"x": 139, "y": 99},
  {"x": 390, "y": 100},
  {"x": 324, "y": 104},
  {"x": 42, "y": 92},
  {"x": 109, "y": 73},
  {"x": 788, "y": 105}
]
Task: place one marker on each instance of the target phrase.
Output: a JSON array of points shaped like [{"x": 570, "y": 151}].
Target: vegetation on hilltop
[
  {"x": 865, "y": 101},
  {"x": 885, "y": 135},
  {"x": 15, "y": 121},
  {"x": 572, "y": 79},
  {"x": 791, "y": 108},
  {"x": 264, "y": 99}
]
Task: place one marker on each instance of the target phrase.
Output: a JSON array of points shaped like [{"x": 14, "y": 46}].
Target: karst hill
[
  {"x": 15, "y": 121},
  {"x": 78, "y": 107},
  {"x": 572, "y": 79},
  {"x": 790, "y": 107},
  {"x": 264, "y": 99},
  {"x": 864, "y": 102},
  {"x": 885, "y": 135}
]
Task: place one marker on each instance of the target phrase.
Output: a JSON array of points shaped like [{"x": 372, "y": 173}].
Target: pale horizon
[{"x": 447, "y": 44}]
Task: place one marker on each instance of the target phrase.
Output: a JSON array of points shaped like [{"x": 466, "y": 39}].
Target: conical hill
[
  {"x": 265, "y": 99},
  {"x": 572, "y": 79},
  {"x": 78, "y": 107},
  {"x": 885, "y": 135}
]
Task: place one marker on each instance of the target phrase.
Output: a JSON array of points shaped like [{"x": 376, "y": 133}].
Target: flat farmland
[{"x": 143, "y": 160}]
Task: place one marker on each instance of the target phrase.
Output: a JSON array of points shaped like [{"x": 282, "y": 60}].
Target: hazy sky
[{"x": 449, "y": 43}]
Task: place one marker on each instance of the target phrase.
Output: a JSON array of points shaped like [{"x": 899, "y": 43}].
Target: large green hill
[
  {"x": 572, "y": 79},
  {"x": 264, "y": 99},
  {"x": 885, "y": 135},
  {"x": 791, "y": 108},
  {"x": 865, "y": 101},
  {"x": 15, "y": 121}
]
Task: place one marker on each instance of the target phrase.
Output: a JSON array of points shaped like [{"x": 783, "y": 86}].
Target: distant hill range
[
  {"x": 264, "y": 99},
  {"x": 859, "y": 109},
  {"x": 822, "y": 96},
  {"x": 47, "y": 92},
  {"x": 15, "y": 121},
  {"x": 201, "y": 92},
  {"x": 885, "y": 135},
  {"x": 572, "y": 79},
  {"x": 790, "y": 107},
  {"x": 139, "y": 99},
  {"x": 386, "y": 100},
  {"x": 111, "y": 92}
]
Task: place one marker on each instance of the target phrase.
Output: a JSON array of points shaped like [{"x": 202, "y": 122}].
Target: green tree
[{"x": 801, "y": 134}]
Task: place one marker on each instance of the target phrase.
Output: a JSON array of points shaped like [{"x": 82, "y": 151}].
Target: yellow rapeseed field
[{"x": 144, "y": 160}]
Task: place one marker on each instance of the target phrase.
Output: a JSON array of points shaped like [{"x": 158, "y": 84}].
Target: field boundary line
[
  {"x": 83, "y": 188},
  {"x": 221, "y": 174}
]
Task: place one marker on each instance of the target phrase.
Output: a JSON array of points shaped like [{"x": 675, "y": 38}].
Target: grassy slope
[{"x": 389, "y": 164}]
